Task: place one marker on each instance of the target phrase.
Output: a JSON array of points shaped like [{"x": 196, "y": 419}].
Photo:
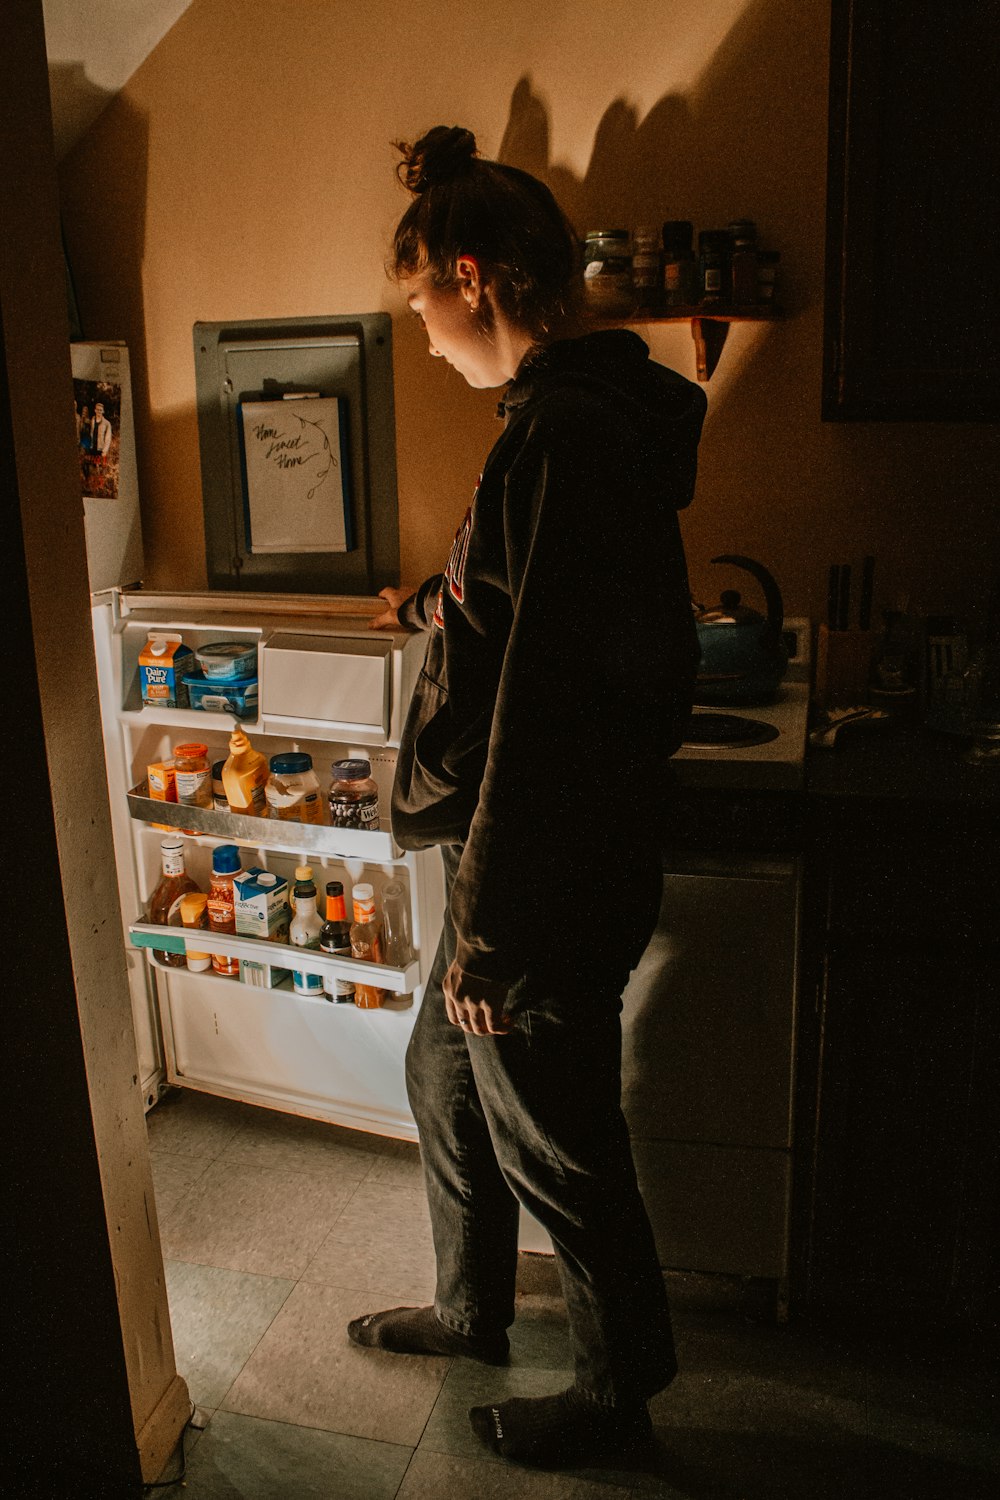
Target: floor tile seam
[
  {"x": 357, "y": 1437},
  {"x": 173, "y": 1260},
  {"x": 333, "y": 1224}
]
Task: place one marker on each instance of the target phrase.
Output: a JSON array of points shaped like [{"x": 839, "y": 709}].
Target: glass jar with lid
[
  {"x": 353, "y": 795},
  {"x": 607, "y": 273},
  {"x": 680, "y": 269},
  {"x": 714, "y": 248},
  {"x": 193, "y": 775}
]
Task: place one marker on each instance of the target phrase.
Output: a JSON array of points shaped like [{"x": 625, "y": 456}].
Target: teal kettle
[{"x": 743, "y": 657}]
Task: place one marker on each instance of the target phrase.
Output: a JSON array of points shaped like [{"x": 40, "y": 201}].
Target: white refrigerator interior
[{"x": 333, "y": 688}]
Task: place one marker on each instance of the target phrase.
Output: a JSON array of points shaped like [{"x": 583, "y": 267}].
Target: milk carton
[
  {"x": 163, "y": 662},
  {"x": 260, "y": 902}
]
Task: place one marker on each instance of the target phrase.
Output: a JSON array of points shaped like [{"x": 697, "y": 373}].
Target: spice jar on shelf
[
  {"x": 680, "y": 269},
  {"x": 743, "y": 262},
  {"x": 714, "y": 248},
  {"x": 607, "y": 273},
  {"x": 767, "y": 275},
  {"x": 647, "y": 271}
]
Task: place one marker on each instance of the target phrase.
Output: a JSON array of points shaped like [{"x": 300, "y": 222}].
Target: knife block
[{"x": 843, "y": 666}]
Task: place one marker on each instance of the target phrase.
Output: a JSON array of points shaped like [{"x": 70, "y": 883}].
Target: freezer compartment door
[{"x": 341, "y": 682}]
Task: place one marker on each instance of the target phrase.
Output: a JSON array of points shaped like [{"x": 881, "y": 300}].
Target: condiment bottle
[
  {"x": 335, "y": 939},
  {"x": 192, "y": 775},
  {"x": 353, "y": 795},
  {"x": 680, "y": 269},
  {"x": 222, "y": 906},
  {"x": 607, "y": 273},
  {"x": 194, "y": 914},
  {"x": 647, "y": 271},
  {"x": 175, "y": 882},
  {"x": 396, "y": 946},
  {"x": 366, "y": 943},
  {"x": 219, "y": 802},
  {"x": 244, "y": 776},
  {"x": 305, "y": 929},
  {"x": 743, "y": 262},
  {"x": 293, "y": 790}
]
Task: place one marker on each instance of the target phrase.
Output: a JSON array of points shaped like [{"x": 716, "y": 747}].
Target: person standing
[{"x": 557, "y": 678}]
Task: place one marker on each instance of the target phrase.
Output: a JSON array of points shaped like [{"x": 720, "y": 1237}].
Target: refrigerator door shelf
[
  {"x": 279, "y": 955},
  {"x": 375, "y": 846}
]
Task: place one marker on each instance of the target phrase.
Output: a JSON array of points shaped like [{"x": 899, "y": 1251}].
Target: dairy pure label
[{"x": 162, "y": 663}]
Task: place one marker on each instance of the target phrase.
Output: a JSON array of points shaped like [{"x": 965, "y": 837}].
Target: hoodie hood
[{"x": 666, "y": 409}]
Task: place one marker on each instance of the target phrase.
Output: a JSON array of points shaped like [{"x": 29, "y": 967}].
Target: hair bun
[{"x": 442, "y": 154}]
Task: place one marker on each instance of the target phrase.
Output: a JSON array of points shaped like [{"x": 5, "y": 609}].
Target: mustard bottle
[{"x": 244, "y": 777}]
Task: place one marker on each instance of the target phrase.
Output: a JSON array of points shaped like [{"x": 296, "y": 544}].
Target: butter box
[{"x": 163, "y": 661}]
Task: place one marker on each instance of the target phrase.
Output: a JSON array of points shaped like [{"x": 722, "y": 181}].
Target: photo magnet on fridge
[
  {"x": 109, "y": 483},
  {"x": 296, "y": 486}
]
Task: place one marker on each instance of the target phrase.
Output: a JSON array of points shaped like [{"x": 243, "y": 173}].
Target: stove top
[{"x": 771, "y": 754}]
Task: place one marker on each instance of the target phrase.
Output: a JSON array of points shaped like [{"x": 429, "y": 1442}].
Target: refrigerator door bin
[
  {"x": 272, "y": 833},
  {"x": 152, "y": 935}
]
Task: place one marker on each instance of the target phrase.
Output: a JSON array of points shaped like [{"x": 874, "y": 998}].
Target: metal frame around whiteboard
[{"x": 346, "y": 355}]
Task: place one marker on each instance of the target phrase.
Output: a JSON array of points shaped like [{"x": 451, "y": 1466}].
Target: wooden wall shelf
[{"x": 709, "y": 327}]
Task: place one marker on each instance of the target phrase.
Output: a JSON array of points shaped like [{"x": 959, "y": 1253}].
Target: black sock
[
  {"x": 418, "y": 1330},
  {"x": 567, "y": 1429}
]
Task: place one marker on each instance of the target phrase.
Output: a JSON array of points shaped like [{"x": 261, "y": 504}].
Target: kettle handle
[{"x": 772, "y": 593}]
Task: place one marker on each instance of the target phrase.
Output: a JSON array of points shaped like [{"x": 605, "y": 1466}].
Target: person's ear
[{"x": 470, "y": 280}]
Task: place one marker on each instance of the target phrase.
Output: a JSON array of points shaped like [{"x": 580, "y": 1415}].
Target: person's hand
[
  {"x": 389, "y": 618},
  {"x": 475, "y": 1004}
]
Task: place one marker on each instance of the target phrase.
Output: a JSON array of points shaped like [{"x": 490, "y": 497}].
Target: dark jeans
[{"x": 536, "y": 1116}]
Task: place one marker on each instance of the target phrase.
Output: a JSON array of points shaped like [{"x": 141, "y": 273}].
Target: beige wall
[{"x": 245, "y": 172}]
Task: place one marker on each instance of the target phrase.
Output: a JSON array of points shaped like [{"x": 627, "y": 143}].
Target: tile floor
[{"x": 277, "y": 1230}]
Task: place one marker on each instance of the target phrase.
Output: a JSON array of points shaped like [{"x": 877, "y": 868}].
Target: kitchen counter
[{"x": 902, "y": 765}]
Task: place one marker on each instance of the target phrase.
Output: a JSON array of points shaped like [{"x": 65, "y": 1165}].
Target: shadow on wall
[{"x": 748, "y": 139}]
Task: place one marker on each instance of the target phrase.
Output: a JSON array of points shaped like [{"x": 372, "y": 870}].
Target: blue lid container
[{"x": 226, "y": 860}]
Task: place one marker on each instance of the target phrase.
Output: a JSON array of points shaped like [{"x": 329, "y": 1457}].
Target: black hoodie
[{"x": 560, "y": 664}]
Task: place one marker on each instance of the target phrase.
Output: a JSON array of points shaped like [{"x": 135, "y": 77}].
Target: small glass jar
[
  {"x": 607, "y": 273},
  {"x": 680, "y": 269},
  {"x": 714, "y": 247},
  {"x": 743, "y": 263},
  {"x": 767, "y": 274},
  {"x": 193, "y": 775},
  {"x": 647, "y": 271},
  {"x": 353, "y": 795}
]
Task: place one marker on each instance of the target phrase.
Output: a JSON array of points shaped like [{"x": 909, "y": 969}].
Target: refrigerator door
[{"x": 328, "y": 688}]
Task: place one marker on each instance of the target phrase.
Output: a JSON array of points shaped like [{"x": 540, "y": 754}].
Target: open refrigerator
[{"x": 327, "y": 685}]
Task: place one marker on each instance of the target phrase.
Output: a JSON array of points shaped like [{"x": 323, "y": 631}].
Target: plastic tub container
[
  {"x": 227, "y": 659},
  {"x": 236, "y": 696}
]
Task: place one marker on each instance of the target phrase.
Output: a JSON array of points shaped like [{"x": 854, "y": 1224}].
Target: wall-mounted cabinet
[{"x": 912, "y": 287}]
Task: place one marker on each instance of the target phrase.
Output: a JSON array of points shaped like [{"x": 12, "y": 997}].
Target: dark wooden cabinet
[
  {"x": 905, "y": 1177},
  {"x": 913, "y": 212}
]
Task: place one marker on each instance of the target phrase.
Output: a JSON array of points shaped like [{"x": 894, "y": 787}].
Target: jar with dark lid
[
  {"x": 743, "y": 263},
  {"x": 680, "y": 270},
  {"x": 647, "y": 271},
  {"x": 353, "y": 795},
  {"x": 714, "y": 250},
  {"x": 607, "y": 272},
  {"x": 767, "y": 272}
]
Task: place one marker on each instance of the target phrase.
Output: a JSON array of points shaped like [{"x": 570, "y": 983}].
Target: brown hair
[{"x": 528, "y": 254}]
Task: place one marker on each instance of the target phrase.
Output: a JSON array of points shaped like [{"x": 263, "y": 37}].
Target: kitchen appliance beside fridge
[{"x": 329, "y": 686}]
